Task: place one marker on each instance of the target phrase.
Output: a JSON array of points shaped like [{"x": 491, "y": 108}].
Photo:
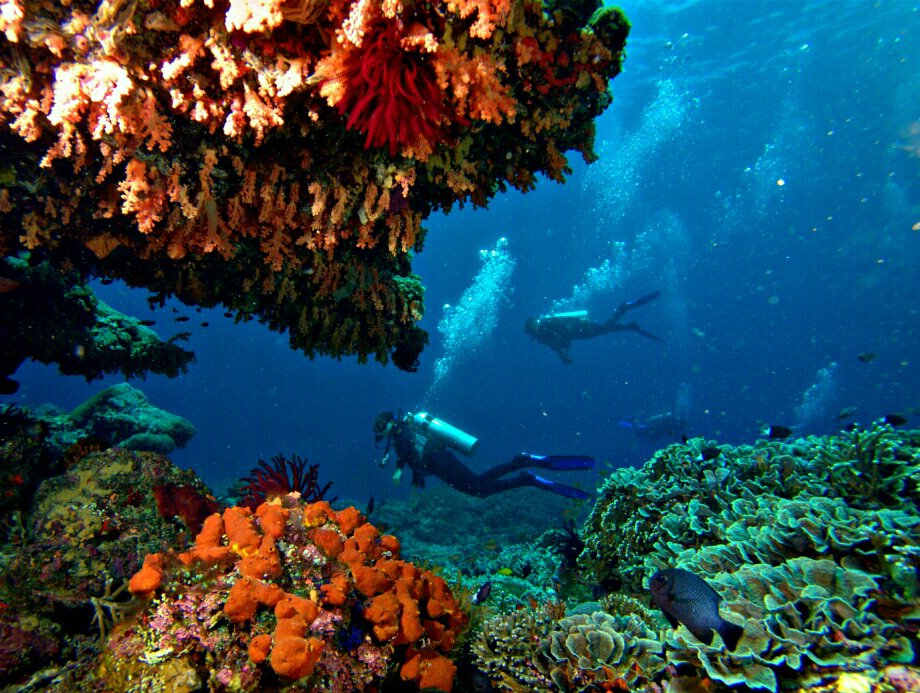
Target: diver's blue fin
[
  {"x": 633, "y": 423},
  {"x": 559, "y": 463},
  {"x": 642, "y": 301},
  {"x": 636, "y": 327},
  {"x": 553, "y": 487}
]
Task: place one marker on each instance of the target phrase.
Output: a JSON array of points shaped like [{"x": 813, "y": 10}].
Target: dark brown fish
[
  {"x": 867, "y": 357},
  {"x": 147, "y": 323},
  {"x": 7, "y": 284},
  {"x": 181, "y": 318},
  {"x": 894, "y": 419},
  {"x": 482, "y": 593},
  {"x": 709, "y": 453},
  {"x": 688, "y": 599},
  {"x": 778, "y": 432}
]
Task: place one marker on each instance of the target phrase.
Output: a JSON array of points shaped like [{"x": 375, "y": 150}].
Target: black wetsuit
[
  {"x": 439, "y": 461},
  {"x": 557, "y": 332}
]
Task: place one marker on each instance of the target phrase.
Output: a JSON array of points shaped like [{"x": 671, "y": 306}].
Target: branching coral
[{"x": 508, "y": 644}]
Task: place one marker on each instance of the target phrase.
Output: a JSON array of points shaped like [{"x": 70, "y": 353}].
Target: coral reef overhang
[{"x": 212, "y": 151}]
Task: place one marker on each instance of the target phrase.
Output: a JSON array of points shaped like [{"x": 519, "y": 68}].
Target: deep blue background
[{"x": 762, "y": 284}]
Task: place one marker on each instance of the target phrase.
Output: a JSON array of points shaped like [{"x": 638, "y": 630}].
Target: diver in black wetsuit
[
  {"x": 559, "y": 329},
  {"x": 421, "y": 442}
]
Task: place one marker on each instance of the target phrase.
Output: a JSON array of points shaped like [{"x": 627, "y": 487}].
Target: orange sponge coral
[
  {"x": 294, "y": 657},
  {"x": 429, "y": 670},
  {"x": 146, "y": 581},
  {"x": 293, "y": 580}
]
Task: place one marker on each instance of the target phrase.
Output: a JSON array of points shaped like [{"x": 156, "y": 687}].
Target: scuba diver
[
  {"x": 557, "y": 330},
  {"x": 423, "y": 443}
]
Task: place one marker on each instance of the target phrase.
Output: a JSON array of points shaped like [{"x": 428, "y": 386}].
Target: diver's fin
[
  {"x": 559, "y": 463},
  {"x": 636, "y": 327},
  {"x": 553, "y": 487},
  {"x": 626, "y": 306},
  {"x": 629, "y": 305}
]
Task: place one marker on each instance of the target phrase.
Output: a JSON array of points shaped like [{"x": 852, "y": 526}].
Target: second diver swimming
[{"x": 557, "y": 330}]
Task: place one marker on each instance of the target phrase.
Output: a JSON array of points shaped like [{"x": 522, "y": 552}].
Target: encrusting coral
[
  {"x": 278, "y": 157},
  {"x": 70, "y": 553},
  {"x": 295, "y": 592},
  {"x": 53, "y": 317}
]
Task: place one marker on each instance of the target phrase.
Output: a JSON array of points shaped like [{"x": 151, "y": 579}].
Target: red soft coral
[
  {"x": 391, "y": 93},
  {"x": 281, "y": 477}
]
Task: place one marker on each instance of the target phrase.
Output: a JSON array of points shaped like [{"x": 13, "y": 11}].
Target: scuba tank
[
  {"x": 443, "y": 432},
  {"x": 571, "y": 315}
]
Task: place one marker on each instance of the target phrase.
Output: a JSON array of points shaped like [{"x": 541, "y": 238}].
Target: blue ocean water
[{"x": 760, "y": 166}]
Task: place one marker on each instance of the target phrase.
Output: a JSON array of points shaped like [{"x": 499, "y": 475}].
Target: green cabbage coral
[
  {"x": 801, "y": 615},
  {"x": 585, "y": 650},
  {"x": 813, "y": 544}
]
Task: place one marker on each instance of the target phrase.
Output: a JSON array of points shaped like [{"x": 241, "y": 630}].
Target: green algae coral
[
  {"x": 676, "y": 499},
  {"x": 51, "y": 316},
  {"x": 800, "y": 615}
]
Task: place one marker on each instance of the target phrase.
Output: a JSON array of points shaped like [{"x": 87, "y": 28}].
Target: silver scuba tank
[{"x": 451, "y": 436}]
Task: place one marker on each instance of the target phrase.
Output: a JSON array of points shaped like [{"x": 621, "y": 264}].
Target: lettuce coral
[{"x": 818, "y": 562}]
